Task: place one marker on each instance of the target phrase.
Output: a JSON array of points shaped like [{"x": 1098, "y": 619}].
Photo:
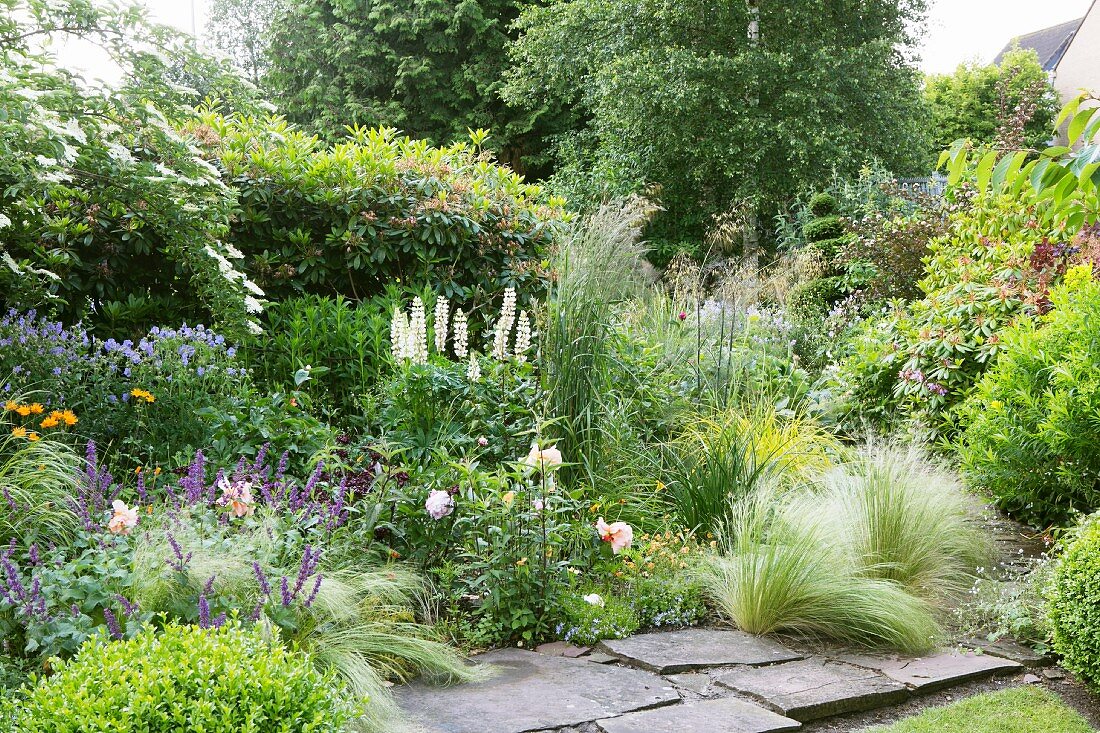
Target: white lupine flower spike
[
  {"x": 442, "y": 314},
  {"x": 523, "y": 337},
  {"x": 460, "y": 339}
]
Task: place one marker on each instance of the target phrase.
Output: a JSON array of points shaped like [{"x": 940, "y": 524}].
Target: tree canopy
[
  {"x": 719, "y": 103},
  {"x": 980, "y": 102},
  {"x": 431, "y": 68}
]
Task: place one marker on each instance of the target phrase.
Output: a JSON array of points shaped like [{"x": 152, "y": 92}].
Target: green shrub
[
  {"x": 810, "y": 301},
  {"x": 348, "y": 345},
  {"x": 376, "y": 209},
  {"x": 110, "y": 216},
  {"x": 225, "y": 680},
  {"x": 1031, "y": 429},
  {"x": 1074, "y": 614},
  {"x": 822, "y": 204},
  {"x": 996, "y": 264},
  {"x": 824, "y": 228},
  {"x": 585, "y": 622}
]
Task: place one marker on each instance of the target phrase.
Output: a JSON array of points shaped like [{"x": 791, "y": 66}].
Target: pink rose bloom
[
  {"x": 238, "y": 497},
  {"x": 619, "y": 534},
  {"x": 439, "y": 504},
  {"x": 124, "y": 518},
  {"x": 483, "y": 441}
]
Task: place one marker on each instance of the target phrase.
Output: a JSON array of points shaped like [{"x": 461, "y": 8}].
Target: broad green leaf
[
  {"x": 1078, "y": 124},
  {"x": 985, "y": 169},
  {"x": 1037, "y": 174},
  {"x": 1069, "y": 110},
  {"x": 958, "y": 167}
]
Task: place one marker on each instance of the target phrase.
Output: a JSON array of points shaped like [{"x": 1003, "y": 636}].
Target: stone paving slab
[
  {"x": 937, "y": 670},
  {"x": 813, "y": 688},
  {"x": 533, "y": 691},
  {"x": 727, "y": 715},
  {"x": 1012, "y": 650},
  {"x": 671, "y": 652},
  {"x": 694, "y": 683}
]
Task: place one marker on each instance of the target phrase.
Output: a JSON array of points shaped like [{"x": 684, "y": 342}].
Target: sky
[{"x": 958, "y": 30}]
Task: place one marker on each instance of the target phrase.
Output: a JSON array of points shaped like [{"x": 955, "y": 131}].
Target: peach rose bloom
[
  {"x": 124, "y": 518},
  {"x": 543, "y": 459}
]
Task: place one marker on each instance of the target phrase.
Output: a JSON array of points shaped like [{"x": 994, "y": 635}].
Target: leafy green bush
[
  {"x": 141, "y": 399},
  {"x": 1074, "y": 615},
  {"x": 182, "y": 677},
  {"x": 995, "y": 265},
  {"x": 810, "y": 301},
  {"x": 1031, "y": 431},
  {"x": 823, "y": 228},
  {"x": 109, "y": 213},
  {"x": 590, "y": 617},
  {"x": 1023, "y": 220},
  {"x": 347, "y": 344},
  {"x": 821, "y": 204},
  {"x": 377, "y": 209}
]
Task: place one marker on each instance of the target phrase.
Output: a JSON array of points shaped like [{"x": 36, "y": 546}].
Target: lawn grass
[{"x": 1019, "y": 710}]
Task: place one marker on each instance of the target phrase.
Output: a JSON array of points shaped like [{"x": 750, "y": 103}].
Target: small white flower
[
  {"x": 255, "y": 328},
  {"x": 4, "y": 222},
  {"x": 119, "y": 154},
  {"x": 252, "y": 305},
  {"x": 594, "y": 599},
  {"x": 473, "y": 371}
]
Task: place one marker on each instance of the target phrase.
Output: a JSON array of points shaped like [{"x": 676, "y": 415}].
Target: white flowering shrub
[{"x": 107, "y": 210}]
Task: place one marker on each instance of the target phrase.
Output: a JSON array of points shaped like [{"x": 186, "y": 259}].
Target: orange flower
[
  {"x": 37, "y": 408},
  {"x": 137, "y": 470},
  {"x": 50, "y": 422},
  {"x": 19, "y": 432},
  {"x": 69, "y": 417},
  {"x": 33, "y": 437},
  {"x": 23, "y": 410},
  {"x": 11, "y": 406}
]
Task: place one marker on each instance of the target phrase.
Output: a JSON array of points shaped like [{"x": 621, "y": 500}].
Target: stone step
[
  {"x": 935, "y": 671},
  {"x": 726, "y": 715},
  {"x": 530, "y": 692},
  {"x": 813, "y": 688},
  {"x": 672, "y": 652}
]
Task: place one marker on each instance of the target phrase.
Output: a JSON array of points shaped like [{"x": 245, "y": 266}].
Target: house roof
[{"x": 1049, "y": 43}]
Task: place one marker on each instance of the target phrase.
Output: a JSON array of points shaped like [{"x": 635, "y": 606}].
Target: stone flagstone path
[{"x": 718, "y": 681}]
